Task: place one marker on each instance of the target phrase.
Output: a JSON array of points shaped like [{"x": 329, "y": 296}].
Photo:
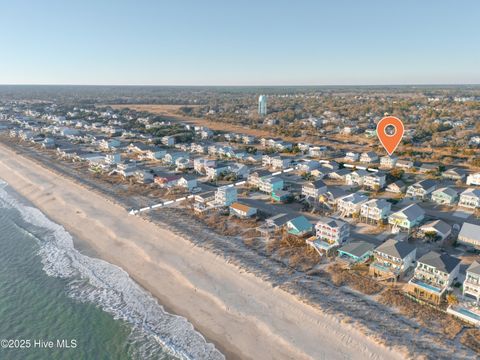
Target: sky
[{"x": 239, "y": 42}]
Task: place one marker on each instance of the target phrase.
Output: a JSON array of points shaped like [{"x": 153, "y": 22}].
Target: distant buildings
[{"x": 262, "y": 105}]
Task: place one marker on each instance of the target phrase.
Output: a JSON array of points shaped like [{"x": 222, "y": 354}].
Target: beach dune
[{"x": 244, "y": 316}]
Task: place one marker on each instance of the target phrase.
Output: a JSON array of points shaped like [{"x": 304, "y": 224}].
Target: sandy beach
[{"x": 244, "y": 316}]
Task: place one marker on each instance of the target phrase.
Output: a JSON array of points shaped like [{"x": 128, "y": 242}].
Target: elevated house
[
  {"x": 255, "y": 178},
  {"x": 220, "y": 168},
  {"x": 351, "y": 156},
  {"x": 280, "y": 162},
  {"x": 456, "y": 174},
  {"x": 422, "y": 189},
  {"x": 314, "y": 189},
  {"x": 226, "y": 195},
  {"x": 299, "y": 226},
  {"x": 404, "y": 164},
  {"x": 308, "y": 166},
  {"x": 392, "y": 259},
  {"x": 388, "y": 162},
  {"x": 187, "y": 181},
  {"x": 356, "y": 177},
  {"x": 428, "y": 168},
  {"x": 473, "y": 179},
  {"x": 471, "y": 285},
  {"x": 375, "y": 211},
  {"x": 330, "y": 234},
  {"x": 242, "y": 210},
  {"x": 469, "y": 235},
  {"x": 369, "y": 157},
  {"x": 375, "y": 180},
  {"x": 355, "y": 252},
  {"x": 271, "y": 184},
  {"x": 155, "y": 153},
  {"x": 396, "y": 187},
  {"x": 433, "y": 275},
  {"x": 436, "y": 230},
  {"x": 407, "y": 218},
  {"x": 470, "y": 198},
  {"x": 350, "y": 205},
  {"x": 445, "y": 196}
]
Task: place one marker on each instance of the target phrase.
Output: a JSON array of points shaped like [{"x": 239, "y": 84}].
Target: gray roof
[
  {"x": 470, "y": 231},
  {"x": 317, "y": 184},
  {"x": 357, "y": 248},
  {"x": 474, "y": 267},
  {"x": 398, "y": 249},
  {"x": 447, "y": 190},
  {"x": 442, "y": 262},
  {"x": 439, "y": 225},
  {"x": 412, "y": 211},
  {"x": 426, "y": 184}
]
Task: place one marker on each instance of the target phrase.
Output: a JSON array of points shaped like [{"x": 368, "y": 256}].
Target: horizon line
[{"x": 237, "y": 85}]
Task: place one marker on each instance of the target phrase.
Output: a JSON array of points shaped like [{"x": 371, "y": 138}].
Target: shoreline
[{"x": 244, "y": 316}]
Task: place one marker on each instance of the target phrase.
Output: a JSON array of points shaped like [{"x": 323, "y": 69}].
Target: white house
[
  {"x": 470, "y": 235},
  {"x": 226, "y": 195},
  {"x": 433, "y": 275},
  {"x": 470, "y": 198},
  {"x": 331, "y": 233},
  {"x": 369, "y": 157},
  {"x": 422, "y": 189},
  {"x": 375, "y": 210},
  {"x": 473, "y": 179},
  {"x": 351, "y": 204},
  {"x": 388, "y": 162},
  {"x": 314, "y": 189},
  {"x": 242, "y": 210},
  {"x": 471, "y": 285}
]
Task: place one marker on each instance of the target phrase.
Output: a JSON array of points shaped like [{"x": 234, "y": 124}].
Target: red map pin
[{"x": 390, "y": 132}]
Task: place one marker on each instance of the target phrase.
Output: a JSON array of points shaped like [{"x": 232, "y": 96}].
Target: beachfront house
[
  {"x": 226, "y": 195},
  {"x": 445, "y": 196},
  {"x": 330, "y": 233},
  {"x": 433, "y": 275},
  {"x": 299, "y": 226},
  {"x": 407, "y": 218},
  {"x": 388, "y": 162},
  {"x": 242, "y": 210},
  {"x": 471, "y": 285},
  {"x": 314, "y": 189},
  {"x": 350, "y": 205},
  {"x": 469, "y": 235},
  {"x": 355, "y": 252},
  {"x": 375, "y": 211},
  {"x": 436, "y": 230},
  {"x": 470, "y": 198},
  {"x": 422, "y": 189},
  {"x": 392, "y": 259},
  {"x": 473, "y": 179}
]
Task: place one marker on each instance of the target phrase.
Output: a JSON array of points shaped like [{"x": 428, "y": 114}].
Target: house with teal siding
[
  {"x": 299, "y": 226},
  {"x": 445, "y": 196}
]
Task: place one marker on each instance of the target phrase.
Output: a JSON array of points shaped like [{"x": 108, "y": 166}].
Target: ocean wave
[{"x": 93, "y": 280}]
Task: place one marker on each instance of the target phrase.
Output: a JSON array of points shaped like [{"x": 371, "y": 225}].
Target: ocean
[{"x": 57, "y": 303}]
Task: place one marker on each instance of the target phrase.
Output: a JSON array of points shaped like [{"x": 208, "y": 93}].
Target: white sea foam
[{"x": 111, "y": 288}]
